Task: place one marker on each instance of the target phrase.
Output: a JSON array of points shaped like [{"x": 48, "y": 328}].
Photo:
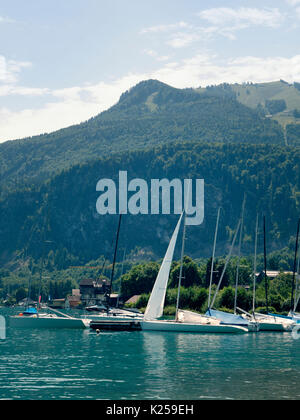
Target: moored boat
[
  {"x": 225, "y": 318},
  {"x": 185, "y": 321},
  {"x": 116, "y": 315},
  {"x": 33, "y": 319},
  {"x": 265, "y": 322},
  {"x": 175, "y": 326},
  {"x": 274, "y": 323}
]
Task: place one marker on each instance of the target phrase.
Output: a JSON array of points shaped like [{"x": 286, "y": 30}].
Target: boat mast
[
  {"x": 255, "y": 266},
  {"x": 30, "y": 277},
  {"x": 265, "y": 262},
  {"x": 41, "y": 279},
  {"x": 41, "y": 270},
  {"x": 29, "y": 290},
  {"x": 105, "y": 261},
  {"x": 213, "y": 258},
  {"x": 43, "y": 248},
  {"x": 186, "y": 203},
  {"x": 181, "y": 266},
  {"x": 225, "y": 267},
  {"x": 122, "y": 272},
  {"x": 295, "y": 267},
  {"x": 297, "y": 286},
  {"x": 239, "y": 257},
  {"x": 114, "y": 262}
]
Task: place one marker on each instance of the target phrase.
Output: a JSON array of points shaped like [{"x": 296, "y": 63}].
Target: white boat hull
[
  {"x": 273, "y": 323},
  {"x": 48, "y": 323},
  {"x": 191, "y": 328},
  {"x": 271, "y": 326}
]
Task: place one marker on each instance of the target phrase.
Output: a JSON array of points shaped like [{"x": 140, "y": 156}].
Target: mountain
[
  {"x": 150, "y": 114},
  {"x": 49, "y": 182}
]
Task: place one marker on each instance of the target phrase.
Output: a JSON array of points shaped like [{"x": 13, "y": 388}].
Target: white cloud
[
  {"x": 296, "y": 11},
  {"x": 10, "y": 69},
  {"x": 154, "y": 54},
  {"x": 77, "y": 104},
  {"x": 178, "y": 35},
  {"x": 6, "y": 90},
  {"x": 226, "y": 21},
  {"x": 6, "y": 20},
  {"x": 221, "y": 21},
  {"x": 181, "y": 39},
  {"x": 164, "y": 28},
  {"x": 242, "y": 17},
  {"x": 293, "y": 2}
]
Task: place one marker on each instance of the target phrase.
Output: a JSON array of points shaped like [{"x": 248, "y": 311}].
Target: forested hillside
[{"x": 63, "y": 210}]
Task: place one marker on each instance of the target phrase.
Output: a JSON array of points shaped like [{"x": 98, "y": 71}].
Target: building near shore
[{"x": 94, "y": 292}]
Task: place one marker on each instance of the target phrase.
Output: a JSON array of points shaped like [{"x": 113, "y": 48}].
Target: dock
[{"x": 105, "y": 325}]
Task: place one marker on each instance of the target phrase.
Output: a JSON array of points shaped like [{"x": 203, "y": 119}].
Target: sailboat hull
[
  {"x": 48, "y": 323},
  {"x": 274, "y": 323},
  {"x": 191, "y": 328},
  {"x": 271, "y": 326}
]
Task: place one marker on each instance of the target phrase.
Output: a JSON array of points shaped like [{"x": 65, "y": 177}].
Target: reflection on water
[
  {"x": 263, "y": 366},
  {"x": 146, "y": 365}
]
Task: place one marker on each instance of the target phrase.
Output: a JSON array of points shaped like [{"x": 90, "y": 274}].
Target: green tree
[
  {"x": 190, "y": 272},
  {"x": 20, "y": 294},
  {"x": 227, "y": 298},
  {"x": 139, "y": 280},
  {"x": 275, "y": 106}
]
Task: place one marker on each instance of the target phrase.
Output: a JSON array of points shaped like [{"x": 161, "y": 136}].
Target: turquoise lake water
[{"x": 47, "y": 365}]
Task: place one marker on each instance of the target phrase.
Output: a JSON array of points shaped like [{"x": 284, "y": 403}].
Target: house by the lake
[{"x": 94, "y": 292}]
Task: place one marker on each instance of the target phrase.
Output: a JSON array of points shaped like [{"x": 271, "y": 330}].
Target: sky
[{"x": 65, "y": 61}]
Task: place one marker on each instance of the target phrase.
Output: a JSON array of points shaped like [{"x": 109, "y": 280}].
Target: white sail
[{"x": 156, "y": 302}]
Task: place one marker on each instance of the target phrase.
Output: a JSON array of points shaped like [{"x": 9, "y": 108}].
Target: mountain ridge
[{"x": 149, "y": 114}]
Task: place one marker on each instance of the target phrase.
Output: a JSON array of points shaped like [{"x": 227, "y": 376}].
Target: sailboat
[
  {"x": 294, "y": 314},
  {"x": 266, "y": 323},
  {"x": 111, "y": 315},
  {"x": 117, "y": 314},
  {"x": 32, "y": 318},
  {"x": 224, "y": 317},
  {"x": 185, "y": 321},
  {"x": 293, "y": 318},
  {"x": 295, "y": 287}
]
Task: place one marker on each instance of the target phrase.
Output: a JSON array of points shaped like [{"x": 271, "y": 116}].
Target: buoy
[{"x": 98, "y": 331}]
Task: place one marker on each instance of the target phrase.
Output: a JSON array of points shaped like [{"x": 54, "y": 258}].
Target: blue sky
[{"x": 64, "y": 61}]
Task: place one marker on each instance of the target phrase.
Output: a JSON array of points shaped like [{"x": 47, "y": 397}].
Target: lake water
[{"x": 39, "y": 364}]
